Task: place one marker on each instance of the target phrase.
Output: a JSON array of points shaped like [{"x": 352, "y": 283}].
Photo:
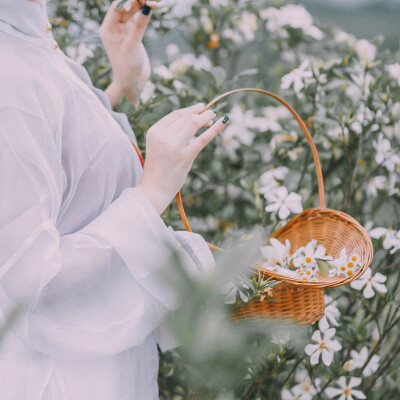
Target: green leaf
[{"x": 323, "y": 267}]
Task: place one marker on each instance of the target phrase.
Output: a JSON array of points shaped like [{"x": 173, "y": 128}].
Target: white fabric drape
[{"x": 82, "y": 251}]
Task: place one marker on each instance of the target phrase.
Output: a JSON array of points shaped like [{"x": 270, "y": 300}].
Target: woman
[{"x": 82, "y": 243}]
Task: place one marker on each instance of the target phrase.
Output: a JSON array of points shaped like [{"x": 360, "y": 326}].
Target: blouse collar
[{"x": 27, "y": 20}]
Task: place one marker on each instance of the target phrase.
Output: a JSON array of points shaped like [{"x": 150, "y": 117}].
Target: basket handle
[{"x": 304, "y": 129}]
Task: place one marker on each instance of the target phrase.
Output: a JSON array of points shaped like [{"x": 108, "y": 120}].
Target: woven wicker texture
[
  {"x": 295, "y": 299},
  {"x": 301, "y": 305}
]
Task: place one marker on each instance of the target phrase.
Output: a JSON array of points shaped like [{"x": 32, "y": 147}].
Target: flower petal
[
  {"x": 358, "y": 394},
  {"x": 368, "y": 291},
  {"x": 380, "y": 287},
  {"x": 333, "y": 392},
  {"x": 316, "y": 337},
  {"x": 334, "y": 345},
  {"x": 342, "y": 382},
  {"x": 378, "y": 277},
  {"x": 354, "y": 382},
  {"x": 310, "y": 349},
  {"x": 272, "y": 207},
  {"x": 327, "y": 357},
  {"x": 314, "y": 359},
  {"x": 286, "y": 395},
  {"x": 283, "y": 212},
  {"x": 329, "y": 333}
]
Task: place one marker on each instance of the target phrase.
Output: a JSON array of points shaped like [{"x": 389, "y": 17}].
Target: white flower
[
  {"x": 272, "y": 115},
  {"x": 361, "y": 84},
  {"x": 392, "y": 240},
  {"x": 81, "y": 52},
  {"x": 343, "y": 37},
  {"x": 284, "y": 202},
  {"x": 346, "y": 391},
  {"x": 248, "y": 25},
  {"x": 231, "y": 290},
  {"x": 345, "y": 264},
  {"x": 282, "y": 339},
  {"x": 147, "y": 92},
  {"x": 376, "y": 183},
  {"x": 331, "y": 313},
  {"x": 277, "y": 253},
  {"x": 163, "y": 71},
  {"x": 384, "y": 154},
  {"x": 294, "y": 16},
  {"x": 358, "y": 360},
  {"x": 394, "y": 71},
  {"x": 241, "y": 128},
  {"x": 325, "y": 347},
  {"x": 309, "y": 254},
  {"x": 378, "y": 232},
  {"x": 366, "y": 51},
  {"x": 297, "y": 77},
  {"x": 267, "y": 179},
  {"x": 370, "y": 282},
  {"x": 297, "y": 393},
  {"x": 382, "y": 147},
  {"x": 294, "y": 394}
]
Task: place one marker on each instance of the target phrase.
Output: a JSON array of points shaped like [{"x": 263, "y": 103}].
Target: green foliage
[{"x": 350, "y": 99}]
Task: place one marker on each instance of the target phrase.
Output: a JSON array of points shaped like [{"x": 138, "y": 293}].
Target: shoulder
[{"x": 25, "y": 80}]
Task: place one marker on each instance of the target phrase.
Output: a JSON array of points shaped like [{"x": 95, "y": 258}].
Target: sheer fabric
[{"x": 82, "y": 251}]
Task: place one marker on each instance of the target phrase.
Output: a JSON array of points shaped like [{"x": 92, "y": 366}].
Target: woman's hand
[
  {"x": 171, "y": 149},
  {"x": 121, "y": 33}
]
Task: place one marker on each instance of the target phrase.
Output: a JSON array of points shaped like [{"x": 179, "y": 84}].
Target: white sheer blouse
[{"x": 82, "y": 250}]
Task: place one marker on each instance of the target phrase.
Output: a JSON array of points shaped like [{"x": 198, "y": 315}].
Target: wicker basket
[{"x": 294, "y": 299}]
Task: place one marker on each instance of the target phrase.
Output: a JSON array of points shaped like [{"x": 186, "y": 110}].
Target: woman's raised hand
[
  {"x": 121, "y": 33},
  {"x": 171, "y": 148}
]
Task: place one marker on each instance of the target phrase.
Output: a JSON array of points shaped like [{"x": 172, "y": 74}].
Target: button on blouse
[{"x": 82, "y": 250}]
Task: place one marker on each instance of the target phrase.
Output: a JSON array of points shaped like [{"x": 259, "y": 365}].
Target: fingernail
[
  {"x": 214, "y": 111},
  {"x": 146, "y": 10},
  {"x": 225, "y": 120}
]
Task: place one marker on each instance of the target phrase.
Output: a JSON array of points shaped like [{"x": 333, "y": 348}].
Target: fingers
[
  {"x": 187, "y": 126},
  {"x": 138, "y": 26},
  {"x": 113, "y": 17},
  {"x": 175, "y": 115},
  {"x": 132, "y": 7},
  {"x": 201, "y": 141}
]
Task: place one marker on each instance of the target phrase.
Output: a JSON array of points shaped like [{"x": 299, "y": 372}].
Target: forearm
[{"x": 115, "y": 94}]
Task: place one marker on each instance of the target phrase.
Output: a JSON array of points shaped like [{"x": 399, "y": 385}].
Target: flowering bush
[{"x": 259, "y": 171}]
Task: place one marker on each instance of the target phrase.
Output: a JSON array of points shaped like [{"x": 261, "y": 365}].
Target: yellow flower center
[
  {"x": 346, "y": 391},
  {"x": 308, "y": 259},
  {"x": 308, "y": 272},
  {"x": 343, "y": 268},
  {"x": 350, "y": 265},
  {"x": 322, "y": 345},
  {"x": 354, "y": 258},
  {"x": 349, "y": 273},
  {"x": 370, "y": 279}
]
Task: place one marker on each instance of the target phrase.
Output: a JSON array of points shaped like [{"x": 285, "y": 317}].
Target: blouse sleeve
[{"x": 88, "y": 294}]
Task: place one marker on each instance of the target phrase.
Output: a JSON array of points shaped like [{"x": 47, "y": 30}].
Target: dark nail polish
[
  {"x": 214, "y": 110},
  {"x": 225, "y": 120},
  {"x": 146, "y": 10}
]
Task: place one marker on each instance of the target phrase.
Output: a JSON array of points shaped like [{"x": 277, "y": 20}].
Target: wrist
[
  {"x": 115, "y": 93},
  {"x": 157, "y": 198}
]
